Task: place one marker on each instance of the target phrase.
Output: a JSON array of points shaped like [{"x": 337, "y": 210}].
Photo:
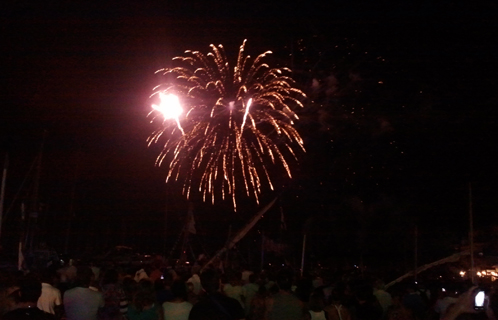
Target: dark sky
[{"x": 404, "y": 116}]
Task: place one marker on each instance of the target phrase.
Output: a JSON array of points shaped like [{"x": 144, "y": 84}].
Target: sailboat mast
[
  {"x": 35, "y": 206},
  {"x": 471, "y": 235}
]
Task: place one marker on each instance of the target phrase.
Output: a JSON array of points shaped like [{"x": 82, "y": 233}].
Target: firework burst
[{"x": 224, "y": 129}]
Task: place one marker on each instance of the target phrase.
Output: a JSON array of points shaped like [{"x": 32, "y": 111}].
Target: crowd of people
[{"x": 157, "y": 291}]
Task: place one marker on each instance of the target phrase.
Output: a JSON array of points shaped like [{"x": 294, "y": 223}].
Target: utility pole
[{"x": 306, "y": 230}]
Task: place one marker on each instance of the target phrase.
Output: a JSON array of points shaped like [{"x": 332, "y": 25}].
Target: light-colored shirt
[
  {"x": 50, "y": 297},
  {"x": 317, "y": 315},
  {"x": 384, "y": 298},
  {"x": 141, "y": 274},
  {"x": 195, "y": 280},
  {"x": 176, "y": 310},
  {"x": 250, "y": 291}
]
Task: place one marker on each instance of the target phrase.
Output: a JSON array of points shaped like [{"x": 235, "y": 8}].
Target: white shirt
[
  {"x": 176, "y": 311},
  {"x": 50, "y": 297},
  {"x": 196, "y": 282},
  {"x": 141, "y": 274},
  {"x": 317, "y": 315}
]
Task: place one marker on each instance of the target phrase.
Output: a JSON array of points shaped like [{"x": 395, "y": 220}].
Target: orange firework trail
[{"x": 227, "y": 126}]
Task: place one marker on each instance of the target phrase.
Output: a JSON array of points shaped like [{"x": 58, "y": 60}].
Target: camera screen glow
[{"x": 480, "y": 299}]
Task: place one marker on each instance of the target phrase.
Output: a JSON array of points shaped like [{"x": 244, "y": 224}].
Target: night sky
[{"x": 401, "y": 118}]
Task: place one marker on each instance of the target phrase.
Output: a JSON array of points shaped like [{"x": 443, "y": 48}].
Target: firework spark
[
  {"x": 170, "y": 108},
  {"x": 236, "y": 123}
]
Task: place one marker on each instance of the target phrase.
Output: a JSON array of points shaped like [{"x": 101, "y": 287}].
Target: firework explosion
[{"x": 224, "y": 129}]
